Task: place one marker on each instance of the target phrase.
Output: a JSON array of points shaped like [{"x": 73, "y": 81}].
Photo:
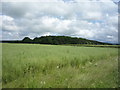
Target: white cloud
[
  {"x": 8, "y": 24},
  {"x": 95, "y": 19}
]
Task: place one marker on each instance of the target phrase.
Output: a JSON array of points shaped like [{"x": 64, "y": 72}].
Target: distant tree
[
  {"x": 60, "y": 40},
  {"x": 27, "y": 40}
]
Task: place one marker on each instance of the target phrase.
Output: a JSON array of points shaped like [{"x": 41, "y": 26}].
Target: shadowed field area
[{"x": 56, "y": 66}]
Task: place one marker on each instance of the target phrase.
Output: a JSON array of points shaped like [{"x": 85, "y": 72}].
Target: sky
[{"x": 90, "y": 19}]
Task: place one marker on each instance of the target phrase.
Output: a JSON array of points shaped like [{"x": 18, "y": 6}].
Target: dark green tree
[{"x": 27, "y": 40}]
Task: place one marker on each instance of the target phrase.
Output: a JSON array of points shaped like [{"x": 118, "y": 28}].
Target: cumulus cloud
[
  {"x": 9, "y": 24},
  {"x": 96, "y": 19}
]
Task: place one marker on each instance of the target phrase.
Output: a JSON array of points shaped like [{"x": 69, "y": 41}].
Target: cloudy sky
[{"x": 91, "y": 19}]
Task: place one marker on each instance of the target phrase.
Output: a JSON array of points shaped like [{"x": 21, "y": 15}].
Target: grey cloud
[
  {"x": 14, "y": 9},
  {"x": 92, "y": 20}
]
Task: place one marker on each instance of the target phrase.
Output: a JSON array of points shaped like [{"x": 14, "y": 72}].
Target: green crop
[{"x": 56, "y": 66}]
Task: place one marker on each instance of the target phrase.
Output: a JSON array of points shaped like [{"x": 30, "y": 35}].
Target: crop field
[{"x": 58, "y": 66}]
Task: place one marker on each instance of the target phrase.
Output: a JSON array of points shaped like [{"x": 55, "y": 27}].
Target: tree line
[{"x": 59, "y": 40}]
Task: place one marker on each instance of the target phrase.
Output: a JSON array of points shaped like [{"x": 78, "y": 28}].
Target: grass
[
  {"x": 55, "y": 66},
  {"x": 0, "y": 66},
  {"x": 92, "y": 45}
]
